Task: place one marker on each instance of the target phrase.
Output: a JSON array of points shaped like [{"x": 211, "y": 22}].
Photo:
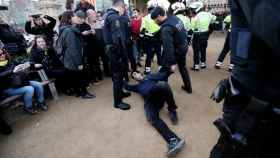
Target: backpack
[{"x": 59, "y": 47}]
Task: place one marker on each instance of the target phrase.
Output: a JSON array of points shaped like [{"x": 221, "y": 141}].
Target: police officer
[
  {"x": 152, "y": 44},
  {"x": 116, "y": 50},
  {"x": 175, "y": 44},
  {"x": 200, "y": 24},
  {"x": 179, "y": 10},
  {"x": 255, "y": 49},
  {"x": 226, "y": 49}
]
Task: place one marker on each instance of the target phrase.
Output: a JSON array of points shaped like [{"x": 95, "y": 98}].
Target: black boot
[{"x": 122, "y": 106}]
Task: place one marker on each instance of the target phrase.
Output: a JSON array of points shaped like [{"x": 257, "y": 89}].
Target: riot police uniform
[
  {"x": 175, "y": 48},
  {"x": 254, "y": 82},
  {"x": 116, "y": 50}
]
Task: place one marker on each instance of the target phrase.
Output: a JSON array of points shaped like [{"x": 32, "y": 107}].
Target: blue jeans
[{"x": 28, "y": 93}]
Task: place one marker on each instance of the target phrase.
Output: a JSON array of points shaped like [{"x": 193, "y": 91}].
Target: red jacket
[{"x": 135, "y": 27}]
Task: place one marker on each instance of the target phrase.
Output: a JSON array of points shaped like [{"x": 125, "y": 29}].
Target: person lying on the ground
[
  {"x": 17, "y": 83},
  {"x": 156, "y": 91}
]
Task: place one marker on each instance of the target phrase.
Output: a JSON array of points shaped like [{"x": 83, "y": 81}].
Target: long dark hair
[
  {"x": 65, "y": 18},
  {"x": 35, "y": 45}
]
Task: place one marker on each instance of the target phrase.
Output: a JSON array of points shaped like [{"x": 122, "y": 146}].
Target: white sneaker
[
  {"x": 218, "y": 65},
  {"x": 196, "y": 68},
  {"x": 230, "y": 67},
  {"x": 203, "y": 65}
]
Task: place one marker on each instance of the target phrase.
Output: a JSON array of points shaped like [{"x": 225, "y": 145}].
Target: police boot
[
  {"x": 122, "y": 106},
  {"x": 174, "y": 147}
]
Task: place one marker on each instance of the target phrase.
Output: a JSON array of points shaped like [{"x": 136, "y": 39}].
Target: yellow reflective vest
[
  {"x": 201, "y": 22},
  {"x": 149, "y": 25}
]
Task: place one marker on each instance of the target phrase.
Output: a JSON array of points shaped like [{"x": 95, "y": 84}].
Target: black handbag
[{"x": 20, "y": 79}]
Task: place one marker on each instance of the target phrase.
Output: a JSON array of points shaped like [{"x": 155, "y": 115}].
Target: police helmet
[
  {"x": 196, "y": 6},
  {"x": 177, "y": 7},
  {"x": 165, "y": 4}
]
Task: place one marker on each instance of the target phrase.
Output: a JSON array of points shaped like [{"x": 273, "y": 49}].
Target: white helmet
[
  {"x": 197, "y": 6},
  {"x": 176, "y": 7},
  {"x": 159, "y": 3}
]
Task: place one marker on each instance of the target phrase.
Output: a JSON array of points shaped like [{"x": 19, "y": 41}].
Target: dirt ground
[{"x": 76, "y": 128}]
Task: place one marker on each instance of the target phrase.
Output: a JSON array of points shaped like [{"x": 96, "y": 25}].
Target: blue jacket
[{"x": 144, "y": 87}]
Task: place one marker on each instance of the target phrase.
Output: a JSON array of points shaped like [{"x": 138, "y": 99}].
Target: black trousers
[
  {"x": 119, "y": 73},
  {"x": 77, "y": 80},
  {"x": 100, "y": 48},
  {"x": 226, "y": 49},
  {"x": 152, "y": 47},
  {"x": 181, "y": 62},
  {"x": 200, "y": 43},
  {"x": 160, "y": 94}
]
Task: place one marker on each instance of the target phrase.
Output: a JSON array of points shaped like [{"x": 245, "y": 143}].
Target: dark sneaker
[
  {"x": 123, "y": 106},
  {"x": 88, "y": 96},
  {"x": 188, "y": 89},
  {"x": 43, "y": 106},
  {"x": 126, "y": 94},
  {"x": 30, "y": 111},
  {"x": 174, "y": 147},
  {"x": 173, "y": 117}
]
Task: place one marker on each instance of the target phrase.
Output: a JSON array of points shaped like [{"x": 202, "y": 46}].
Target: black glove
[{"x": 221, "y": 91}]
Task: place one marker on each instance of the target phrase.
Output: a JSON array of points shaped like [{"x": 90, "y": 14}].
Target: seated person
[
  {"x": 41, "y": 25},
  {"x": 17, "y": 83},
  {"x": 46, "y": 55},
  {"x": 156, "y": 91}
]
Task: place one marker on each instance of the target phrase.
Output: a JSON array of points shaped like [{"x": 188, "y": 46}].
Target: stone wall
[{"x": 20, "y": 9}]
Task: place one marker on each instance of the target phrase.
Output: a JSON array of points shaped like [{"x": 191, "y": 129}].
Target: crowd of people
[{"x": 90, "y": 45}]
